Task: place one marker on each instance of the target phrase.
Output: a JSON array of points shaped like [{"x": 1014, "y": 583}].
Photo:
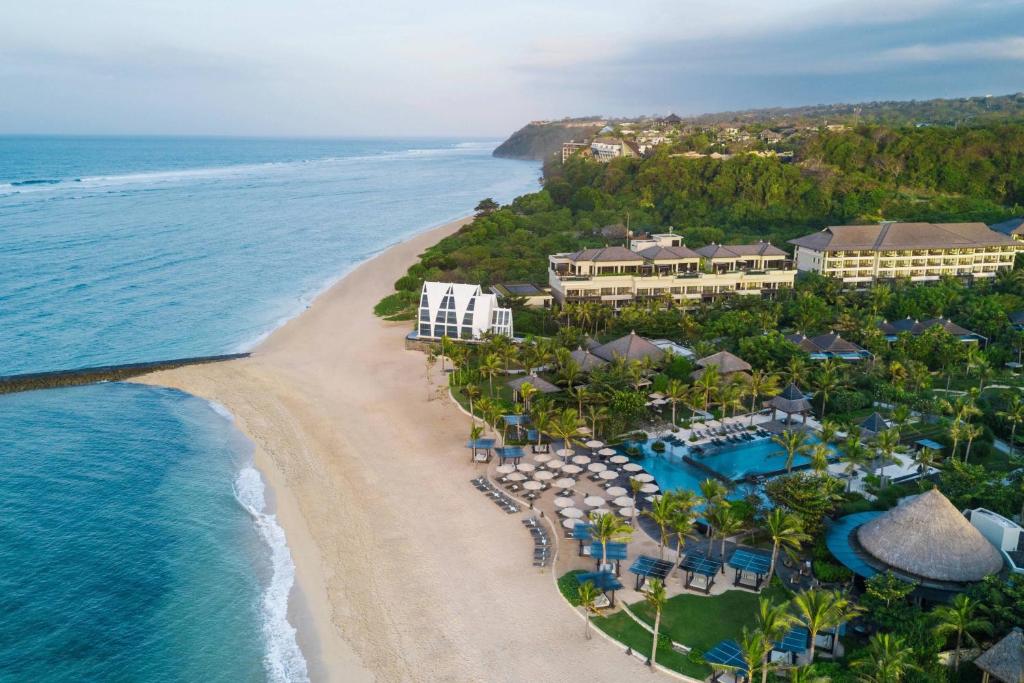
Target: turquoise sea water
[{"x": 135, "y": 540}]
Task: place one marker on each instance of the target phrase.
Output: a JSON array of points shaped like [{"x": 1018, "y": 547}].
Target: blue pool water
[{"x": 135, "y": 540}]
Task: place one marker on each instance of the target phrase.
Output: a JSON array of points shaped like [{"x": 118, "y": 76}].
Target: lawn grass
[{"x": 622, "y": 628}]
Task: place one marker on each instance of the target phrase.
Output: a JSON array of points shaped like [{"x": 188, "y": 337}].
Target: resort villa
[
  {"x": 828, "y": 346},
  {"x": 862, "y": 254},
  {"x": 660, "y": 268},
  {"x": 460, "y": 311},
  {"x": 893, "y": 330}
]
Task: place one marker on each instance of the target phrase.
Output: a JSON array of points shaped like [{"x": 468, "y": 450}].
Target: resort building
[
  {"x": 728, "y": 364},
  {"x": 862, "y": 254},
  {"x": 530, "y": 294},
  {"x": 1013, "y": 227},
  {"x": 573, "y": 147},
  {"x": 1003, "y": 533},
  {"x": 606, "y": 149},
  {"x": 586, "y": 360},
  {"x": 665, "y": 270},
  {"x": 828, "y": 346},
  {"x": 631, "y": 347},
  {"x": 460, "y": 311},
  {"x": 892, "y": 330}
]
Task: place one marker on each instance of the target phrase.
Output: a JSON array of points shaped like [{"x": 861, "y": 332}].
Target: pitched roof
[
  {"x": 915, "y": 327},
  {"x": 874, "y": 423},
  {"x": 1005, "y": 659},
  {"x": 902, "y": 236},
  {"x": 586, "y": 360},
  {"x": 925, "y": 536},
  {"x": 725, "y": 362},
  {"x": 738, "y": 250},
  {"x": 605, "y": 254},
  {"x": 791, "y": 400},
  {"x": 824, "y": 343},
  {"x": 539, "y": 383},
  {"x": 668, "y": 253},
  {"x": 1014, "y": 226},
  {"x": 630, "y": 347}
]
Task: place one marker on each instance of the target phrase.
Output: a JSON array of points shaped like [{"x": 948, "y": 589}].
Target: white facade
[{"x": 460, "y": 311}]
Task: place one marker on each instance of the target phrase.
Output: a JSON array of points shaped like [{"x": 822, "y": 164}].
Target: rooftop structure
[
  {"x": 631, "y": 347},
  {"x": 1013, "y": 227},
  {"x": 862, "y": 254},
  {"x": 791, "y": 401},
  {"x": 1004, "y": 661},
  {"x": 529, "y": 293},
  {"x": 908, "y": 325},
  {"x": 587, "y": 360},
  {"x": 727, "y": 364},
  {"x": 1003, "y": 533},
  {"x": 873, "y": 424},
  {"x": 660, "y": 267},
  {"x": 460, "y": 311},
  {"x": 538, "y": 383},
  {"x": 826, "y": 346}
]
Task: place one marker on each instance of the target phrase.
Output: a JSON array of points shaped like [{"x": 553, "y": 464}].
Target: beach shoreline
[{"x": 405, "y": 571}]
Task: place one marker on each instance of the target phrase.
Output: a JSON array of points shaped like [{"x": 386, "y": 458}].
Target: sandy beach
[{"x": 407, "y": 573}]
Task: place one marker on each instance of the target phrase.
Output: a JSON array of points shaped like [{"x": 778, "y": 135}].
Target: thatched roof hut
[
  {"x": 538, "y": 383},
  {"x": 727, "y": 364},
  {"x": 630, "y": 347},
  {"x": 790, "y": 401},
  {"x": 587, "y": 360},
  {"x": 926, "y": 537},
  {"x": 1004, "y": 661}
]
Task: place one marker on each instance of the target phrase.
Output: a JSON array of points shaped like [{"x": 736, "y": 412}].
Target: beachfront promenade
[{"x": 406, "y": 571}]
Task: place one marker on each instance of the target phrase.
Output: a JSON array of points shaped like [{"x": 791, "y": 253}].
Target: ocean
[{"x": 135, "y": 537}]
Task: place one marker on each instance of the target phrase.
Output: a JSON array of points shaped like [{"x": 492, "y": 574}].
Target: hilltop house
[{"x": 605, "y": 149}]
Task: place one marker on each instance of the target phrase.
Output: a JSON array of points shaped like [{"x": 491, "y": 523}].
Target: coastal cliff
[{"x": 538, "y": 140}]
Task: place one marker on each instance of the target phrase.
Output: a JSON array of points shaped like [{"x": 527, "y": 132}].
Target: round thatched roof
[{"x": 927, "y": 537}]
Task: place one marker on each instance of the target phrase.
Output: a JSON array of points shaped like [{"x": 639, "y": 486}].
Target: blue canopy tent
[
  {"x": 514, "y": 453},
  {"x": 726, "y": 656},
  {"x": 928, "y": 443},
  {"x": 606, "y": 582},
  {"x": 484, "y": 445},
  {"x": 795, "y": 642},
  {"x": 650, "y": 568},
  {"x": 747, "y": 562},
  {"x": 518, "y": 422},
  {"x": 613, "y": 551},
  {"x": 696, "y": 565},
  {"x": 584, "y": 533}
]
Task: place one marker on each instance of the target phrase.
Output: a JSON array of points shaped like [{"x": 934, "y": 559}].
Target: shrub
[
  {"x": 844, "y": 401},
  {"x": 658, "y": 447},
  {"x": 569, "y": 585}
]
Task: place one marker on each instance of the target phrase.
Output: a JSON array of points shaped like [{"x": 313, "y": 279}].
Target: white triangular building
[{"x": 460, "y": 311}]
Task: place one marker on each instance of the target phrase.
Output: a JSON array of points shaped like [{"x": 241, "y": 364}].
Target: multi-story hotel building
[
  {"x": 862, "y": 254},
  {"x": 660, "y": 268}
]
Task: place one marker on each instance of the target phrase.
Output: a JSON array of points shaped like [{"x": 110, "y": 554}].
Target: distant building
[
  {"x": 573, "y": 147},
  {"x": 728, "y": 365},
  {"x": 530, "y": 294},
  {"x": 828, "y": 346},
  {"x": 770, "y": 136},
  {"x": 606, "y": 149},
  {"x": 1013, "y": 227},
  {"x": 892, "y": 330},
  {"x": 862, "y": 254},
  {"x": 460, "y": 311},
  {"x": 666, "y": 270}
]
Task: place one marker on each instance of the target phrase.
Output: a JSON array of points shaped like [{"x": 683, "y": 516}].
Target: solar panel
[
  {"x": 613, "y": 551},
  {"x": 701, "y": 565},
  {"x": 480, "y": 443},
  {"x": 726, "y": 653},
  {"x": 795, "y": 640},
  {"x": 747, "y": 561},
  {"x": 604, "y": 581},
  {"x": 651, "y": 567},
  {"x": 837, "y": 538}
]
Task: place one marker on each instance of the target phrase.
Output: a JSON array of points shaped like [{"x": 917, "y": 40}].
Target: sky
[{"x": 477, "y": 68}]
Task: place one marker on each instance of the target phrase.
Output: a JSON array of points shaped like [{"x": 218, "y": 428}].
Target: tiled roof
[
  {"x": 902, "y": 236},
  {"x": 737, "y": 250},
  {"x": 1014, "y": 226},
  {"x": 606, "y": 254},
  {"x": 668, "y": 253},
  {"x": 916, "y": 327}
]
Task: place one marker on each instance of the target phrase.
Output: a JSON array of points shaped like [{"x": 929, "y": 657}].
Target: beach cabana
[
  {"x": 829, "y": 346},
  {"x": 791, "y": 401},
  {"x": 613, "y": 552},
  {"x": 794, "y": 643},
  {"x": 606, "y": 582},
  {"x": 507, "y": 453},
  {"x": 751, "y": 568},
  {"x": 477, "y": 445},
  {"x": 645, "y": 567},
  {"x": 700, "y": 572},
  {"x": 1004, "y": 661},
  {"x": 586, "y": 360},
  {"x": 728, "y": 364},
  {"x": 928, "y": 443},
  {"x": 631, "y": 347},
  {"x": 726, "y": 657}
]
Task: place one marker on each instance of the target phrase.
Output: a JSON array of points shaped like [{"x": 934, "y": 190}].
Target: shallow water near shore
[{"x": 134, "y": 532}]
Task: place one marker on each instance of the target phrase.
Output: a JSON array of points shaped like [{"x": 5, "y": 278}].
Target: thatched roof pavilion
[
  {"x": 630, "y": 347},
  {"x": 791, "y": 401},
  {"x": 1004, "y": 661},
  {"x": 925, "y": 537},
  {"x": 727, "y": 364},
  {"x": 873, "y": 424},
  {"x": 538, "y": 383},
  {"x": 587, "y": 360}
]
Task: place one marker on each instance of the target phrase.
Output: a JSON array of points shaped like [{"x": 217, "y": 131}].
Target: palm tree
[
  {"x": 886, "y": 444},
  {"x": 472, "y": 392},
  {"x": 677, "y": 392},
  {"x": 796, "y": 370},
  {"x": 774, "y": 621},
  {"x": 971, "y": 432},
  {"x": 956, "y": 432},
  {"x": 900, "y": 415},
  {"x": 713, "y": 492},
  {"x": 960, "y": 618},
  {"x": 761, "y": 384},
  {"x": 570, "y": 373},
  {"x": 475, "y": 432},
  {"x": 819, "y": 458},
  {"x": 566, "y": 426},
  {"x": 1014, "y": 414},
  {"x": 786, "y": 531},
  {"x": 706, "y": 386},
  {"x": 730, "y": 398},
  {"x": 805, "y": 674},
  {"x": 490, "y": 367},
  {"x": 819, "y": 610},
  {"x": 581, "y": 394},
  {"x": 608, "y": 528},
  {"x": 595, "y": 415},
  {"x": 656, "y": 596},
  {"x": 828, "y": 431},
  {"x": 683, "y": 523},
  {"x": 829, "y": 379},
  {"x": 855, "y": 454},
  {"x": 661, "y": 513},
  {"x": 793, "y": 442},
  {"x": 588, "y": 594},
  {"x": 541, "y": 417},
  {"x": 755, "y": 648},
  {"x": 527, "y": 392},
  {"x": 726, "y": 522},
  {"x": 925, "y": 459},
  {"x": 886, "y": 660}
]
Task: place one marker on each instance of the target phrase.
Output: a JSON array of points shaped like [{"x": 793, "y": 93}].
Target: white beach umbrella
[
  {"x": 616, "y": 491},
  {"x": 649, "y": 488},
  {"x": 594, "y": 444},
  {"x": 623, "y": 501},
  {"x": 632, "y": 467},
  {"x": 600, "y": 511},
  {"x": 618, "y": 459},
  {"x": 564, "y": 483},
  {"x": 543, "y": 475},
  {"x": 606, "y": 452},
  {"x": 572, "y": 469},
  {"x": 569, "y": 523},
  {"x": 627, "y": 511},
  {"x": 532, "y": 485},
  {"x": 526, "y": 467},
  {"x": 564, "y": 502},
  {"x": 541, "y": 457},
  {"x": 643, "y": 477},
  {"x": 651, "y": 499},
  {"x": 573, "y": 513},
  {"x": 594, "y": 501},
  {"x": 553, "y": 464},
  {"x": 565, "y": 452},
  {"x": 581, "y": 459},
  {"x": 597, "y": 467},
  {"x": 505, "y": 469},
  {"x": 517, "y": 476},
  {"x": 584, "y": 430},
  {"x": 608, "y": 475}
]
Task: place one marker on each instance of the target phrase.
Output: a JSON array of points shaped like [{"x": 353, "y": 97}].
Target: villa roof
[
  {"x": 824, "y": 343},
  {"x": 925, "y": 536},
  {"x": 1005, "y": 659},
  {"x": 668, "y": 253},
  {"x": 739, "y": 250},
  {"x": 605, "y": 254},
  {"x": 727, "y": 363},
  {"x": 538, "y": 383},
  {"x": 891, "y": 235},
  {"x": 874, "y": 423},
  {"x": 630, "y": 347},
  {"x": 790, "y": 400},
  {"x": 915, "y": 327},
  {"x": 1014, "y": 226},
  {"x": 586, "y": 360}
]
